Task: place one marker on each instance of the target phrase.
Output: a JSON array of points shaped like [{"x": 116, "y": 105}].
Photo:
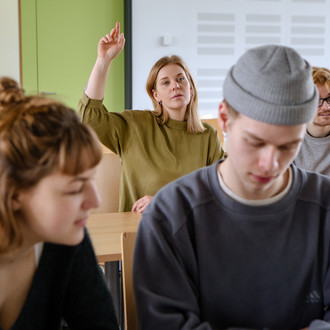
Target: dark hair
[
  {"x": 38, "y": 136},
  {"x": 10, "y": 91}
]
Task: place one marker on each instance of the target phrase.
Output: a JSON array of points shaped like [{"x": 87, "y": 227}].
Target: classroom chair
[
  {"x": 107, "y": 181},
  {"x": 127, "y": 252}
]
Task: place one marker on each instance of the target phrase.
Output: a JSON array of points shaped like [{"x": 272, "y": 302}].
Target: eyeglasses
[{"x": 321, "y": 100}]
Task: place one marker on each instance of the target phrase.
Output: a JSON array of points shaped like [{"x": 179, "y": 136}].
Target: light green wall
[
  {"x": 59, "y": 47},
  {"x": 29, "y": 46}
]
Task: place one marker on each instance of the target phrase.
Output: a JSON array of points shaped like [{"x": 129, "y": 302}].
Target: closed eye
[
  {"x": 75, "y": 191},
  {"x": 289, "y": 147},
  {"x": 255, "y": 144}
]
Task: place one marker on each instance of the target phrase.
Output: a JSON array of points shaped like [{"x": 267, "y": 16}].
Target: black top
[{"x": 67, "y": 284}]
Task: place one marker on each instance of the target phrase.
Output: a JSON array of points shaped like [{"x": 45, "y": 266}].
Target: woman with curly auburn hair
[
  {"x": 48, "y": 269},
  {"x": 155, "y": 147}
]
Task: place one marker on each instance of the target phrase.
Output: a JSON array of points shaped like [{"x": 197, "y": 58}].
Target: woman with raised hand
[
  {"x": 48, "y": 269},
  {"x": 155, "y": 147}
]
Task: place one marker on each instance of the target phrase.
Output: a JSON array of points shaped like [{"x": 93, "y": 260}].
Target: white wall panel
[
  {"x": 210, "y": 35},
  {"x": 9, "y": 39}
]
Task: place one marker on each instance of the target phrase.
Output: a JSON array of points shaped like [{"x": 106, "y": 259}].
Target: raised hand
[
  {"x": 111, "y": 44},
  {"x": 108, "y": 48}
]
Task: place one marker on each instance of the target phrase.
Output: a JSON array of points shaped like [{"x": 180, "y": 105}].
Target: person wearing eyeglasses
[
  {"x": 244, "y": 243},
  {"x": 314, "y": 153}
]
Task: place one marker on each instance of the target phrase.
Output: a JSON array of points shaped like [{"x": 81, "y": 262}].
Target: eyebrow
[
  {"x": 251, "y": 135},
  {"x": 179, "y": 74},
  {"x": 78, "y": 178}
]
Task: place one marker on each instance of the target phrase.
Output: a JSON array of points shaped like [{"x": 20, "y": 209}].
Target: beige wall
[{"x": 9, "y": 39}]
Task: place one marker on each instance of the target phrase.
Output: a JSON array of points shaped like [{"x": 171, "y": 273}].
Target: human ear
[
  {"x": 155, "y": 95},
  {"x": 16, "y": 201},
  {"x": 223, "y": 116},
  {"x": 191, "y": 92}
]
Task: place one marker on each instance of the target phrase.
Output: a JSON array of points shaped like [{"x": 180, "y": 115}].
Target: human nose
[
  {"x": 92, "y": 198},
  {"x": 325, "y": 105},
  {"x": 268, "y": 159},
  {"x": 175, "y": 85}
]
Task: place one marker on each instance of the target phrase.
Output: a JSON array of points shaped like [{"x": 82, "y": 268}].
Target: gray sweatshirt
[
  {"x": 205, "y": 261},
  {"x": 314, "y": 155}
]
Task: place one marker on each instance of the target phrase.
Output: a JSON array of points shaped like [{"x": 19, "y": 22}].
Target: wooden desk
[{"x": 105, "y": 231}]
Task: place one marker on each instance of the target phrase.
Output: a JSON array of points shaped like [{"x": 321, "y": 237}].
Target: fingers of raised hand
[
  {"x": 114, "y": 33},
  {"x": 106, "y": 39},
  {"x": 122, "y": 40}
]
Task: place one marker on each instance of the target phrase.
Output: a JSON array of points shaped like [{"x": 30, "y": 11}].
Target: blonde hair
[
  {"x": 321, "y": 76},
  {"x": 194, "y": 124},
  {"x": 37, "y": 137}
]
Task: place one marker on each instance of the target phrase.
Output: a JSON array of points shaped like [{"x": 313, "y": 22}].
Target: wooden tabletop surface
[{"x": 105, "y": 231}]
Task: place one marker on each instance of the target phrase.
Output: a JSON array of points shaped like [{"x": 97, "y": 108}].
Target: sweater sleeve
[
  {"x": 88, "y": 303},
  {"x": 165, "y": 294},
  {"x": 112, "y": 128},
  {"x": 215, "y": 149}
]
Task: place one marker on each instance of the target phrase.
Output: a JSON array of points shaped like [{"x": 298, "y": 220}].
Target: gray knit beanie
[{"x": 272, "y": 84}]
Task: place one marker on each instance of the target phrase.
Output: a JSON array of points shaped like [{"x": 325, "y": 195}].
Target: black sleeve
[{"x": 88, "y": 303}]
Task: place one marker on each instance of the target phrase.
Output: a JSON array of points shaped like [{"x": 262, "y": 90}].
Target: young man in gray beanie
[{"x": 244, "y": 243}]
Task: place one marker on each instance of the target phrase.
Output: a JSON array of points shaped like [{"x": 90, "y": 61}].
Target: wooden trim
[
  {"x": 20, "y": 43},
  {"x": 128, "y": 53}
]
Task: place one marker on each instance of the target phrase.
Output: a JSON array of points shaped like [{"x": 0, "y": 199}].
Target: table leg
[{"x": 112, "y": 270}]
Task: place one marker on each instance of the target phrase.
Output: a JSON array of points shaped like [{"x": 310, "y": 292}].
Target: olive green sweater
[{"x": 152, "y": 155}]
